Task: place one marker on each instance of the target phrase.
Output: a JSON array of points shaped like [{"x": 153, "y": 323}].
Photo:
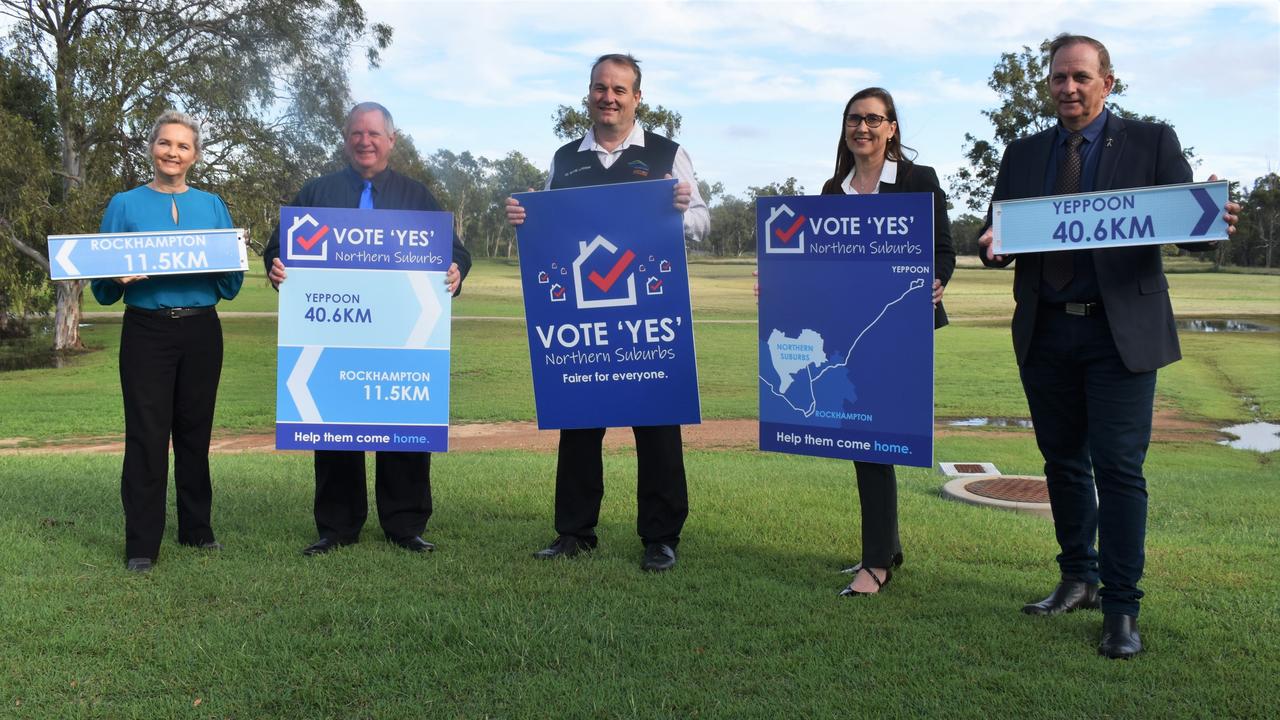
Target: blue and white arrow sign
[
  {"x": 182, "y": 252},
  {"x": 1142, "y": 216},
  {"x": 363, "y": 345}
]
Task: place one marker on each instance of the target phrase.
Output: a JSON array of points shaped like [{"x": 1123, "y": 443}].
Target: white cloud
[{"x": 767, "y": 75}]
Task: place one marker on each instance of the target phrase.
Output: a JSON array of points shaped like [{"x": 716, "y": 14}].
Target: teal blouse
[{"x": 145, "y": 210}]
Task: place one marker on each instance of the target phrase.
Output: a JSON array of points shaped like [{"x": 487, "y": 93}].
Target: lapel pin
[{"x": 1108, "y": 142}]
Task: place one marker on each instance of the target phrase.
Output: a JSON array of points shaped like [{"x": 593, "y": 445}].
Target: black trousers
[
  {"x": 662, "y": 496},
  {"x": 169, "y": 370},
  {"x": 878, "y": 496},
  {"x": 1092, "y": 419},
  {"x": 402, "y": 487}
]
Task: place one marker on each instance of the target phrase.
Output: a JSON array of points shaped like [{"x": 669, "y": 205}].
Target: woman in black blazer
[{"x": 869, "y": 159}]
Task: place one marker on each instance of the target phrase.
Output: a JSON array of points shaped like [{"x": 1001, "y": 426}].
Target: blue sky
[{"x": 761, "y": 85}]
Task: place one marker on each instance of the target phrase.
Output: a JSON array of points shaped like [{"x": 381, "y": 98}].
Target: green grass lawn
[
  {"x": 748, "y": 624},
  {"x": 975, "y": 376}
]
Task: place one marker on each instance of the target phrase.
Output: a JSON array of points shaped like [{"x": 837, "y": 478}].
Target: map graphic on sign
[
  {"x": 846, "y": 327},
  {"x": 799, "y": 363}
]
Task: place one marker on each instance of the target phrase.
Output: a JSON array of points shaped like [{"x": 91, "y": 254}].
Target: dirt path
[{"x": 710, "y": 435}]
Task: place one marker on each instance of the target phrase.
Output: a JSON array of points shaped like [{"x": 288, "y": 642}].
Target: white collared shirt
[
  {"x": 697, "y": 219},
  {"x": 888, "y": 174}
]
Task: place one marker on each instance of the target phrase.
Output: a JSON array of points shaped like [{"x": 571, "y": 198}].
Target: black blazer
[
  {"x": 1135, "y": 292},
  {"x": 921, "y": 178}
]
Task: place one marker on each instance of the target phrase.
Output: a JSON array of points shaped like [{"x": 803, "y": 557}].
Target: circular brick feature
[
  {"x": 1018, "y": 489},
  {"x": 1021, "y": 493}
]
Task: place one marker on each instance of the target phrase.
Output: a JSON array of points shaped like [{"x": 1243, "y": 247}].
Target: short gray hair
[
  {"x": 1067, "y": 40},
  {"x": 173, "y": 117},
  {"x": 365, "y": 107}
]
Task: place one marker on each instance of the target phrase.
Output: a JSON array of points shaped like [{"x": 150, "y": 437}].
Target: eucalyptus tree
[{"x": 267, "y": 79}]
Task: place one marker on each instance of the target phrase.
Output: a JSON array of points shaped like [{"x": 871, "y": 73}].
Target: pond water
[
  {"x": 991, "y": 422},
  {"x": 1259, "y": 436},
  {"x": 1212, "y": 325},
  {"x": 33, "y": 352}
]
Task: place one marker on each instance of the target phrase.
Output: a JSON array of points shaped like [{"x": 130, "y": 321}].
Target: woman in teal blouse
[{"x": 170, "y": 351}]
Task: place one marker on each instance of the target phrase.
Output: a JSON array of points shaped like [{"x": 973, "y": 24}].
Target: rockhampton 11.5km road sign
[
  {"x": 1157, "y": 215},
  {"x": 180, "y": 252},
  {"x": 364, "y": 338}
]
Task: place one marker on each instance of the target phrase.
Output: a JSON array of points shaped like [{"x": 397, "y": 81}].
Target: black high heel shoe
[
  {"x": 853, "y": 569},
  {"x": 850, "y": 592}
]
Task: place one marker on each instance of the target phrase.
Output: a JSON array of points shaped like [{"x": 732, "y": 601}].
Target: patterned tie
[
  {"x": 1059, "y": 267},
  {"x": 366, "y": 195}
]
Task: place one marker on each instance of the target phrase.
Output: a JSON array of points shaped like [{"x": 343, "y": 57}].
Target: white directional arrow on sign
[
  {"x": 297, "y": 384},
  {"x": 429, "y": 314},
  {"x": 64, "y": 258}
]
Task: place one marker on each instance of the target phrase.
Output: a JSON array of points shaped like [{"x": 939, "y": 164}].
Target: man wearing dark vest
[
  {"x": 402, "y": 481},
  {"x": 1090, "y": 329},
  {"x": 615, "y": 150}
]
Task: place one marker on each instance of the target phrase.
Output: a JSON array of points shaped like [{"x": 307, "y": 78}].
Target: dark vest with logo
[{"x": 583, "y": 169}]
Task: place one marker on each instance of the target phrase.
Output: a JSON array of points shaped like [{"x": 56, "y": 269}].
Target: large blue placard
[
  {"x": 606, "y": 297},
  {"x": 363, "y": 345},
  {"x": 846, "y": 326},
  {"x": 1190, "y": 212},
  {"x": 181, "y": 252}
]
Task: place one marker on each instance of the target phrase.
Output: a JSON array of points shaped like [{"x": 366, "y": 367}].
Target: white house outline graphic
[
  {"x": 299, "y": 221},
  {"x": 768, "y": 233},
  {"x": 585, "y": 251}
]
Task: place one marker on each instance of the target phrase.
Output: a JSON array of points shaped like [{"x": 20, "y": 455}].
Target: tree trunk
[
  {"x": 66, "y": 318},
  {"x": 66, "y": 330}
]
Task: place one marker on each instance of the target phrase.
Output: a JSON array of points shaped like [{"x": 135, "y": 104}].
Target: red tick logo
[
  {"x": 607, "y": 281},
  {"x": 786, "y": 235},
  {"x": 309, "y": 242}
]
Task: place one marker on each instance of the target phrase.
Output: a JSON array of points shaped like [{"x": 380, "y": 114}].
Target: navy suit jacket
[{"x": 1135, "y": 292}]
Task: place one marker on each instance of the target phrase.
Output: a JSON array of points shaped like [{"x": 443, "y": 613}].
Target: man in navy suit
[{"x": 1090, "y": 329}]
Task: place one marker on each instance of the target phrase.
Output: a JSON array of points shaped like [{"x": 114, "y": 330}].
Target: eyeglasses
[{"x": 872, "y": 121}]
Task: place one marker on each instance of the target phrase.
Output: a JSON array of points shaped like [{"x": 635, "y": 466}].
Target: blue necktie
[{"x": 366, "y": 196}]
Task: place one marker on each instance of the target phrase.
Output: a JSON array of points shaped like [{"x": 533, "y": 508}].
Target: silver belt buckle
[{"x": 1080, "y": 309}]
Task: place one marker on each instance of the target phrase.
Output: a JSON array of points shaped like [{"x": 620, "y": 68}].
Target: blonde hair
[{"x": 173, "y": 117}]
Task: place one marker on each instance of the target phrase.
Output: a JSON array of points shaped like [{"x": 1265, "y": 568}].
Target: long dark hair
[{"x": 893, "y": 149}]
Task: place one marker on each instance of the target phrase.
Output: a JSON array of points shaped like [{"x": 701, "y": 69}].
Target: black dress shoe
[
  {"x": 658, "y": 557},
  {"x": 1069, "y": 595},
  {"x": 1119, "y": 637},
  {"x": 565, "y": 546},
  {"x": 853, "y": 569},
  {"x": 413, "y": 544},
  {"x": 322, "y": 546},
  {"x": 138, "y": 565},
  {"x": 850, "y": 592}
]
